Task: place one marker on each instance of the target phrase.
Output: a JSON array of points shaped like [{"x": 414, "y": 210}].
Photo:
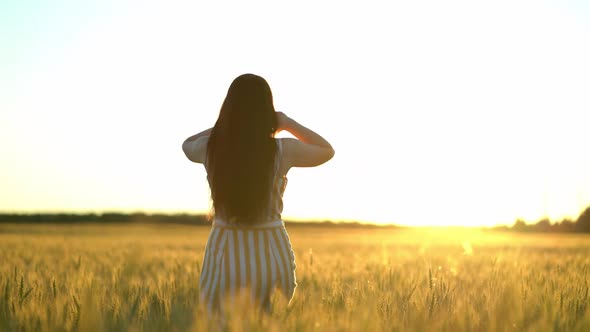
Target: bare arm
[
  {"x": 308, "y": 150},
  {"x": 195, "y": 147}
]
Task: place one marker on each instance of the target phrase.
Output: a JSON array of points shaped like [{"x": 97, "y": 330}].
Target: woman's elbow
[
  {"x": 328, "y": 155},
  {"x": 331, "y": 153},
  {"x": 185, "y": 150}
]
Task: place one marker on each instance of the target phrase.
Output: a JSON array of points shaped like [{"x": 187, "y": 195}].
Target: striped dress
[{"x": 249, "y": 258}]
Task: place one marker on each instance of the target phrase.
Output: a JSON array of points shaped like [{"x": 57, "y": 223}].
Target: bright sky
[{"x": 440, "y": 112}]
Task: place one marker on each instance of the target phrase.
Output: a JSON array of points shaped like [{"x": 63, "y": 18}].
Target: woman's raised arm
[
  {"x": 195, "y": 147},
  {"x": 308, "y": 150}
]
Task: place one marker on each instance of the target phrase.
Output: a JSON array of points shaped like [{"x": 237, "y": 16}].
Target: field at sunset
[
  {"x": 429, "y": 159},
  {"x": 125, "y": 277}
]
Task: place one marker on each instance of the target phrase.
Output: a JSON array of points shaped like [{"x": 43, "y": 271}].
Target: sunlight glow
[{"x": 441, "y": 113}]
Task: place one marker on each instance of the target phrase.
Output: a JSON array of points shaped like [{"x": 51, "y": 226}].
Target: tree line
[
  {"x": 580, "y": 225},
  {"x": 139, "y": 217},
  {"x": 65, "y": 218}
]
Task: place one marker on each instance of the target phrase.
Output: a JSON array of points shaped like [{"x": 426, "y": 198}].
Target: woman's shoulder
[
  {"x": 296, "y": 153},
  {"x": 281, "y": 143},
  {"x": 285, "y": 142},
  {"x": 285, "y": 146},
  {"x": 196, "y": 150}
]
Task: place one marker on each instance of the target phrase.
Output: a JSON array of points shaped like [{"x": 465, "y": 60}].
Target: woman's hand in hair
[
  {"x": 307, "y": 150},
  {"x": 282, "y": 121}
]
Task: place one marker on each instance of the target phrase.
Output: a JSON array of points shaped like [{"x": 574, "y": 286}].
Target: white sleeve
[{"x": 197, "y": 150}]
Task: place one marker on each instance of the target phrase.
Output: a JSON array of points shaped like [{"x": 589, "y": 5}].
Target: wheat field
[{"x": 126, "y": 277}]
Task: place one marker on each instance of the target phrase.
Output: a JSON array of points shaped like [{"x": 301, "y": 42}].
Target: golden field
[{"x": 127, "y": 277}]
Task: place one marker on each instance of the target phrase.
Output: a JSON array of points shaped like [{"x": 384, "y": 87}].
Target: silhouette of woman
[{"x": 248, "y": 249}]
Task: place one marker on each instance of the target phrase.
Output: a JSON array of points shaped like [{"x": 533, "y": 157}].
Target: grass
[{"x": 144, "y": 278}]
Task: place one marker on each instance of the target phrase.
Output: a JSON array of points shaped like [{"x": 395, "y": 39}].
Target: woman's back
[
  {"x": 248, "y": 248},
  {"x": 277, "y": 186}
]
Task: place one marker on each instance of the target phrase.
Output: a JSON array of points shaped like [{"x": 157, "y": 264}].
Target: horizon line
[{"x": 286, "y": 219}]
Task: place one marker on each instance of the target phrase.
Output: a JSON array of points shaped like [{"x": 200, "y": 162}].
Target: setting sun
[{"x": 377, "y": 165}]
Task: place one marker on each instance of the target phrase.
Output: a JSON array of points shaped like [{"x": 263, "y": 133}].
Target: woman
[{"x": 248, "y": 248}]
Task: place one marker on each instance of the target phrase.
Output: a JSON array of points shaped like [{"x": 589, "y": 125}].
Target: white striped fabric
[{"x": 255, "y": 258}]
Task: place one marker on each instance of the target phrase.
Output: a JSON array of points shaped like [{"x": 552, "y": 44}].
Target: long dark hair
[{"x": 241, "y": 152}]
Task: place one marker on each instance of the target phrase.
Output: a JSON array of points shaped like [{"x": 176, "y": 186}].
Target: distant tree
[
  {"x": 583, "y": 222},
  {"x": 519, "y": 226},
  {"x": 501, "y": 228},
  {"x": 543, "y": 225},
  {"x": 566, "y": 225}
]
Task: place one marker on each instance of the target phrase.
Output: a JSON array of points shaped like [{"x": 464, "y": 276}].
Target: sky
[{"x": 441, "y": 112}]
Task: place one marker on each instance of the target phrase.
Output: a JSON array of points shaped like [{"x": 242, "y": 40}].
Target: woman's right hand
[
  {"x": 282, "y": 121},
  {"x": 307, "y": 149}
]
